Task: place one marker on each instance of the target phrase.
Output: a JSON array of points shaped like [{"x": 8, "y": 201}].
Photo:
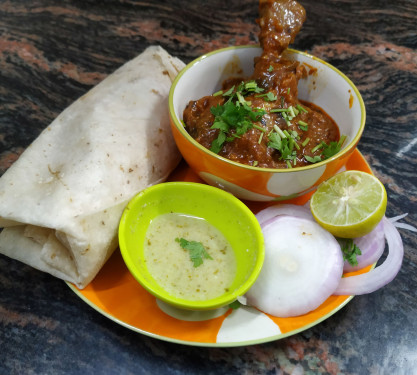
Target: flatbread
[{"x": 61, "y": 201}]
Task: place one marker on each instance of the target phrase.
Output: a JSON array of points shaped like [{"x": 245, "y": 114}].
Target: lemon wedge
[{"x": 349, "y": 204}]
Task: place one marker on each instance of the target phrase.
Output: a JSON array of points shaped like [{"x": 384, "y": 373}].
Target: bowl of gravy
[
  {"x": 191, "y": 245},
  {"x": 265, "y": 128}
]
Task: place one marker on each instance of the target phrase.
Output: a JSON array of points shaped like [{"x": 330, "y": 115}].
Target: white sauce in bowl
[{"x": 171, "y": 266}]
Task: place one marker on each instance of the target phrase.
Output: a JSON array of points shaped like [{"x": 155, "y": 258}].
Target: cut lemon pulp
[{"x": 349, "y": 204}]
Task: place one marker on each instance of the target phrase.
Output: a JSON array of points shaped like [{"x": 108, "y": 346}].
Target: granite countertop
[{"x": 51, "y": 52}]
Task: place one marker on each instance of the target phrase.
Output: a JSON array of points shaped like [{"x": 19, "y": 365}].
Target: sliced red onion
[
  {"x": 382, "y": 274},
  {"x": 271, "y": 212},
  {"x": 302, "y": 268},
  {"x": 405, "y": 226},
  {"x": 371, "y": 245},
  {"x": 395, "y": 220}
]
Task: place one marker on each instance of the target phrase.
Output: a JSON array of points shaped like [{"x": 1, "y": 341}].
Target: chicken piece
[{"x": 280, "y": 21}]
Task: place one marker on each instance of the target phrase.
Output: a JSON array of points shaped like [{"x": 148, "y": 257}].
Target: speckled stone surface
[{"x": 51, "y": 52}]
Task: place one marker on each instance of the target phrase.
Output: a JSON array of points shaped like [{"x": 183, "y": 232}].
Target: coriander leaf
[
  {"x": 231, "y": 116},
  {"x": 303, "y": 125},
  {"x": 229, "y": 92},
  {"x": 305, "y": 142},
  {"x": 196, "y": 249},
  {"x": 314, "y": 159},
  {"x": 256, "y": 115},
  {"x": 240, "y": 99},
  {"x": 235, "y": 305},
  {"x": 217, "y": 144},
  {"x": 301, "y": 108},
  {"x": 251, "y": 86},
  {"x": 333, "y": 147},
  {"x": 330, "y": 149},
  {"x": 217, "y": 110},
  {"x": 275, "y": 141},
  {"x": 283, "y": 145},
  {"x": 271, "y": 68},
  {"x": 349, "y": 250},
  {"x": 286, "y": 149},
  {"x": 243, "y": 127},
  {"x": 235, "y": 114},
  {"x": 270, "y": 96},
  {"x": 220, "y": 124},
  {"x": 317, "y": 147}
]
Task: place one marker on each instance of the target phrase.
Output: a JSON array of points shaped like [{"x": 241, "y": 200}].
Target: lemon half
[{"x": 349, "y": 204}]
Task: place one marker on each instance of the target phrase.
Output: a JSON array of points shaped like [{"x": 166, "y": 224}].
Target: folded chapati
[{"x": 61, "y": 201}]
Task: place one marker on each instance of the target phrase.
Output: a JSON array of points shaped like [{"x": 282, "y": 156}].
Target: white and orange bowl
[{"x": 327, "y": 88}]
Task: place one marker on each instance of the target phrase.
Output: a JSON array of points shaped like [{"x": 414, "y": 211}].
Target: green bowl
[{"x": 219, "y": 208}]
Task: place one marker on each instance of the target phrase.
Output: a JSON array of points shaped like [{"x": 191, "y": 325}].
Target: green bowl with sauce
[{"x": 191, "y": 245}]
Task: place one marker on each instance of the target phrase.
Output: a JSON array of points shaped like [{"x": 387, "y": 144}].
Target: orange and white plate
[{"x": 117, "y": 295}]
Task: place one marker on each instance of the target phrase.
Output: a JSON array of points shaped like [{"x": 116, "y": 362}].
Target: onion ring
[
  {"x": 271, "y": 212},
  {"x": 303, "y": 266},
  {"x": 382, "y": 274}
]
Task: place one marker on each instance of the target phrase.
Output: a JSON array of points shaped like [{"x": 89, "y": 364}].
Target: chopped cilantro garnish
[
  {"x": 260, "y": 138},
  {"x": 235, "y": 305},
  {"x": 333, "y": 147},
  {"x": 317, "y": 147},
  {"x": 270, "y": 96},
  {"x": 288, "y": 114},
  {"x": 279, "y": 131},
  {"x": 229, "y": 92},
  {"x": 250, "y": 86},
  {"x": 284, "y": 145},
  {"x": 314, "y": 159},
  {"x": 259, "y": 128},
  {"x": 279, "y": 110},
  {"x": 297, "y": 146},
  {"x": 240, "y": 99},
  {"x": 328, "y": 150},
  {"x": 271, "y": 68},
  {"x": 301, "y": 108},
  {"x": 303, "y": 125},
  {"x": 235, "y": 114},
  {"x": 217, "y": 144},
  {"x": 349, "y": 250},
  {"x": 275, "y": 141},
  {"x": 196, "y": 249},
  {"x": 305, "y": 143}
]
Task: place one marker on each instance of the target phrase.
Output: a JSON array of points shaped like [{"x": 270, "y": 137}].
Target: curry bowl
[
  {"x": 166, "y": 233},
  {"x": 325, "y": 86}
]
